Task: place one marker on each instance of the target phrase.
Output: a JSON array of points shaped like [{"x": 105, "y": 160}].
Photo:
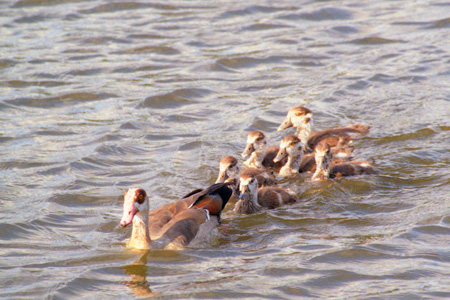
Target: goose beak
[
  {"x": 286, "y": 124},
  {"x": 280, "y": 155},
  {"x": 243, "y": 192},
  {"x": 222, "y": 176},
  {"x": 129, "y": 211},
  {"x": 249, "y": 149}
]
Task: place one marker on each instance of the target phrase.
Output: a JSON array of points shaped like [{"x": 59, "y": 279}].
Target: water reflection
[{"x": 138, "y": 272}]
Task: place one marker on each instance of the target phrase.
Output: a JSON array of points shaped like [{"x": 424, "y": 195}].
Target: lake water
[{"x": 99, "y": 96}]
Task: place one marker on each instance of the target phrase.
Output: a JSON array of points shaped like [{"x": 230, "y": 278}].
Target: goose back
[{"x": 273, "y": 197}]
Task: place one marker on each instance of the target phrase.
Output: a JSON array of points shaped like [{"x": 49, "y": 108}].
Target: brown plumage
[
  {"x": 308, "y": 163},
  {"x": 213, "y": 199},
  {"x": 268, "y": 161},
  {"x": 352, "y": 168}
]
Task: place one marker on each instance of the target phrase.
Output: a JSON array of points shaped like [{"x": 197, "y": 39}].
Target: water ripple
[
  {"x": 324, "y": 14},
  {"x": 175, "y": 99},
  {"x": 375, "y": 40},
  {"x": 100, "y": 96},
  {"x": 62, "y": 100}
]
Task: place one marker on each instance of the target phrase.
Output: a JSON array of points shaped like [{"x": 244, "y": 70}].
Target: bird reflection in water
[{"x": 138, "y": 277}]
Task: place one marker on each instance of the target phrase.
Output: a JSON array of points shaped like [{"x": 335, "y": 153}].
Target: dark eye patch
[{"x": 140, "y": 196}]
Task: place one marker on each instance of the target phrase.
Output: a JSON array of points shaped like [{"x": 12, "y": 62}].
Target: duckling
[
  {"x": 229, "y": 168},
  {"x": 326, "y": 169},
  {"x": 253, "y": 199},
  {"x": 259, "y": 155},
  {"x": 292, "y": 148},
  {"x": 338, "y": 138}
]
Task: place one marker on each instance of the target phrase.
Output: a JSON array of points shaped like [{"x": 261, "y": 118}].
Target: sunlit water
[{"x": 99, "y": 96}]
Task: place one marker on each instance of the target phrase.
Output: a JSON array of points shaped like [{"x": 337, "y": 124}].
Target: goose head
[
  {"x": 248, "y": 188},
  {"x": 248, "y": 196},
  {"x": 229, "y": 169},
  {"x": 135, "y": 203},
  {"x": 323, "y": 157},
  {"x": 256, "y": 142},
  {"x": 290, "y": 146},
  {"x": 301, "y": 118},
  {"x": 255, "y": 149},
  {"x": 297, "y": 117}
]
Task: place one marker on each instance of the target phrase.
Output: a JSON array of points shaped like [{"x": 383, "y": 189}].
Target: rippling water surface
[{"x": 98, "y": 96}]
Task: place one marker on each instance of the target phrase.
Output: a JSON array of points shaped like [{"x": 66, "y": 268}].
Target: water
[{"x": 99, "y": 96}]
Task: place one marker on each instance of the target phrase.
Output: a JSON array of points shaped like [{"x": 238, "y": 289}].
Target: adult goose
[
  {"x": 327, "y": 169},
  {"x": 337, "y": 137},
  {"x": 259, "y": 154},
  {"x": 177, "y": 224},
  {"x": 253, "y": 199}
]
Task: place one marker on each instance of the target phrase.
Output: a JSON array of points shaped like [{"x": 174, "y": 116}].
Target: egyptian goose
[
  {"x": 327, "y": 169},
  {"x": 174, "y": 225},
  {"x": 253, "y": 199},
  {"x": 229, "y": 169},
  {"x": 338, "y": 137},
  {"x": 259, "y": 155}
]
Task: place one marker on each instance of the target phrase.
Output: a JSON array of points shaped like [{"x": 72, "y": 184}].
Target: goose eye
[{"x": 141, "y": 197}]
